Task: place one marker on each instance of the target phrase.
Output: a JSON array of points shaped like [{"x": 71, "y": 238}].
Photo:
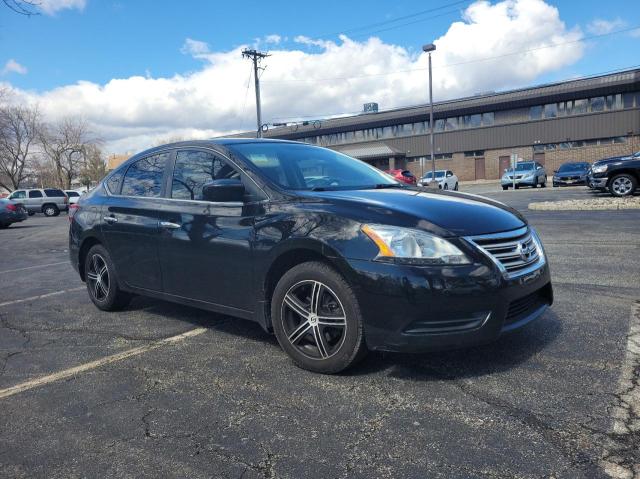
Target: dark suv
[
  {"x": 328, "y": 252},
  {"x": 619, "y": 175}
]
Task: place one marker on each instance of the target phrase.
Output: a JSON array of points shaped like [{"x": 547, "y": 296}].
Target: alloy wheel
[
  {"x": 98, "y": 278},
  {"x": 622, "y": 185},
  {"x": 314, "y": 319}
]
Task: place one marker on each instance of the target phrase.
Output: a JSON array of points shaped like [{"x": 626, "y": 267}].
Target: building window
[
  {"x": 597, "y": 103},
  {"x": 439, "y": 125},
  {"x": 551, "y": 110},
  {"x": 590, "y": 142},
  {"x": 620, "y": 139},
  {"x": 472, "y": 121},
  {"x": 561, "y": 109},
  {"x": 451, "y": 123},
  {"x": 565, "y": 145},
  {"x": 444, "y": 156},
  {"x": 613, "y": 102},
  {"x": 579, "y": 106},
  {"x": 488, "y": 118},
  {"x": 627, "y": 100},
  {"x": 535, "y": 112},
  {"x": 538, "y": 148},
  {"x": 474, "y": 153},
  {"x": 606, "y": 141}
]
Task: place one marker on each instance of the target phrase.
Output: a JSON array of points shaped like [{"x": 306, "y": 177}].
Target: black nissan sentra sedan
[{"x": 332, "y": 255}]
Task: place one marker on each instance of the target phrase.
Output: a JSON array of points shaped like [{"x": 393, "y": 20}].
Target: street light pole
[{"x": 433, "y": 183}]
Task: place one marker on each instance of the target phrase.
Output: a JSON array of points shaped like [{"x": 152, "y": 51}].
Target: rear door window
[
  {"x": 144, "y": 177},
  {"x": 54, "y": 193},
  {"x": 16, "y": 195},
  {"x": 35, "y": 194},
  {"x": 113, "y": 183}
]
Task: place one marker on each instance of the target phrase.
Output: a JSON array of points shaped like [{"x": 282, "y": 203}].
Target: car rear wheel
[
  {"x": 31, "y": 213},
  {"x": 622, "y": 185},
  {"x": 446, "y": 186},
  {"x": 50, "y": 210},
  {"x": 505, "y": 188},
  {"x": 544, "y": 182},
  {"x": 102, "y": 282},
  {"x": 317, "y": 319},
  {"x": 455, "y": 188}
]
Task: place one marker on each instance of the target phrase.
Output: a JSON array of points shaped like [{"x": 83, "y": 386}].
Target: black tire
[
  {"x": 517, "y": 187},
  {"x": 114, "y": 298},
  {"x": 50, "y": 210},
  {"x": 544, "y": 182},
  {"x": 322, "y": 347},
  {"x": 446, "y": 186},
  {"x": 455, "y": 188},
  {"x": 505, "y": 188},
  {"x": 31, "y": 213},
  {"x": 4, "y": 226},
  {"x": 623, "y": 185}
]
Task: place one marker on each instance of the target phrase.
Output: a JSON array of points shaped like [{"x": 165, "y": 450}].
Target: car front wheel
[
  {"x": 50, "y": 210},
  {"x": 317, "y": 319},
  {"x": 622, "y": 185},
  {"x": 102, "y": 282}
]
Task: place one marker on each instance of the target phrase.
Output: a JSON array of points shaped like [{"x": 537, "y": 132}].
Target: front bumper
[
  {"x": 597, "y": 182},
  {"x": 420, "y": 309},
  {"x": 558, "y": 181},
  {"x": 519, "y": 182}
]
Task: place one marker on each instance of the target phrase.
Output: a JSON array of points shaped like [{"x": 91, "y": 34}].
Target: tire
[
  {"x": 50, "y": 210},
  {"x": 517, "y": 187},
  {"x": 328, "y": 346},
  {"x": 446, "y": 186},
  {"x": 31, "y": 213},
  {"x": 455, "y": 188},
  {"x": 544, "y": 182},
  {"x": 505, "y": 188},
  {"x": 4, "y": 226},
  {"x": 111, "y": 298},
  {"x": 623, "y": 185}
]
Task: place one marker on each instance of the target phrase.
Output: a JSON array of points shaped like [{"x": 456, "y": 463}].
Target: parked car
[
  {"x": 446, "y": 179},
  {"x": 50, "y": 201},
  {"x": 366, "y": 262},
  {"x": 527, "y": 173},
  {"x": 404, "y": 176},
  {"x": 73, "y": 196},
  {"x": 571, "y": 174},
  {"x": 619, "y": 175},
  {"x": 11, "y": 212}
]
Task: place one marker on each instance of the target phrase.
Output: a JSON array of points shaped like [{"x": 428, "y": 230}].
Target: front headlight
[
  {"x": 413, "y": 246},
  {"x": 600, "y": 168}
]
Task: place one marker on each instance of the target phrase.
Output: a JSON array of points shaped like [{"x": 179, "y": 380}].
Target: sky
[{"x": 145, "y": 71}]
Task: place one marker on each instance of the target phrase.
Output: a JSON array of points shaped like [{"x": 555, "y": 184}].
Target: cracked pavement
[{"x": 560, "y": 398}]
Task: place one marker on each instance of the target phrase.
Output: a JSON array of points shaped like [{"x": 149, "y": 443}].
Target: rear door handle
[
  {"x": 110, "y": 219},
  {"x": 169, "y": 225}
]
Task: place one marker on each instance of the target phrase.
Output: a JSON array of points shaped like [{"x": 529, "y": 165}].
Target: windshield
[
  {"x": 439, "y": 174},
  {"x": 304, "y": 167},
  {"x": 573, "y": 167},
  {"x": 523, "y": 167}
]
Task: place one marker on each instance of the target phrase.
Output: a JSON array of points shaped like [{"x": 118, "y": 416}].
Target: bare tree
[
  {"x": 66, "y": 144},
  {"x": 19, "y": 132},
  {"x": 95, "y": 167},
  {"x": 23, "y": 7}
]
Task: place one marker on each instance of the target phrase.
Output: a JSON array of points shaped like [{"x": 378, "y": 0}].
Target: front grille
[
  {"x": 515, "y": 252},
  {"x": 521, "y": 308}
]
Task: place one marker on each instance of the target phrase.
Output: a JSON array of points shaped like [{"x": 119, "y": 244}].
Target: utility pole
[
  {"x": 256, "y": 56},
  {"x": 433, "y": 183}
]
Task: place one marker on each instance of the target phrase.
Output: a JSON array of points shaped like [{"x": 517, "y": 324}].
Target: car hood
[
  {"x": 613, "y": 159},
  {"x": 440, "y": 212}
]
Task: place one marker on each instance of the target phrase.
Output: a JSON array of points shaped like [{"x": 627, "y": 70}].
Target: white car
[
  {"x": 73, "y": 196},
  {"x": 445, "y": 178}
]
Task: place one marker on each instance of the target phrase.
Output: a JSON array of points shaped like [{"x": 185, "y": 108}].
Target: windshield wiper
[{"x": 381, "y": 186}]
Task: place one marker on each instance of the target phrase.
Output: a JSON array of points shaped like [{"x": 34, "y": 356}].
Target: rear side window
[
  {"x": 54, "y": 193},
  {"x": 35, "y": 194},
  {"x": 194, "y": 169},
  {"x": 113, "y": 182},
  {"x": 72, "y": 194},
  {"x": 144, "y": 177}
]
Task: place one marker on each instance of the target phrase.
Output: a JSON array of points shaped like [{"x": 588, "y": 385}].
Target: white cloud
[
  {"x": 13, "y": 66},
  {"x": 635, "y": 33},
  {"x": 273, "y": 38},
  {"x": 132, "y": 113},
  {"x": 600, "y": 26},
  {"x": 51, "y": 7}
]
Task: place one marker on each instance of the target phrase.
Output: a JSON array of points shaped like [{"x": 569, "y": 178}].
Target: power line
[
  {"x": 397, "y": 19},
  {"x": 449, "y": 65}
]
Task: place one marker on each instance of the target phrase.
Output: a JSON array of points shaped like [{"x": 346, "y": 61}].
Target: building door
[
  {"x": 539, "y": 157},
  {"x": 504, "y": 164},
  {"x": 480, "y": 175}
]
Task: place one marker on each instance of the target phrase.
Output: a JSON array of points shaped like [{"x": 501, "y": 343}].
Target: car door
[
  {"x": 34, "y": 200},
  {"x": 19, "y": 196},
  {"x": 206, "y": 247},
  {"x": 130, "y": 222}
]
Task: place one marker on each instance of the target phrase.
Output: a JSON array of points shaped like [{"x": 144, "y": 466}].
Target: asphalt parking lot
[{"x": 225, "y": 401}]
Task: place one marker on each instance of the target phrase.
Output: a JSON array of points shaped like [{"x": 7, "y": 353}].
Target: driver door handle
[
  {"x": 169, "y": 225},
  {"x": 110, "y": 219}
]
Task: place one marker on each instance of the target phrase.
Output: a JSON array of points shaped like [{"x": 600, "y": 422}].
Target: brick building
[{"x": 579, "y": 120}]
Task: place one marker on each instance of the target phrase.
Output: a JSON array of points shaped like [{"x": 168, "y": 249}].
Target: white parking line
[
  {"x": 67, "y": 373},
  {"x": 40, "y": 296},
  {"x": 34, "y": 267}
]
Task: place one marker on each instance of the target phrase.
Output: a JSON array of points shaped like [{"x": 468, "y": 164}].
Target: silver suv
[{"x": 50, "y": 201}]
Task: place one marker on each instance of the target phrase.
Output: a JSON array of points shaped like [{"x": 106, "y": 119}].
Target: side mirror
[
  {"x": 449, "y": 175},
  {"x": 539, "y": 168},
  {"x": 223, "y": 191}
]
